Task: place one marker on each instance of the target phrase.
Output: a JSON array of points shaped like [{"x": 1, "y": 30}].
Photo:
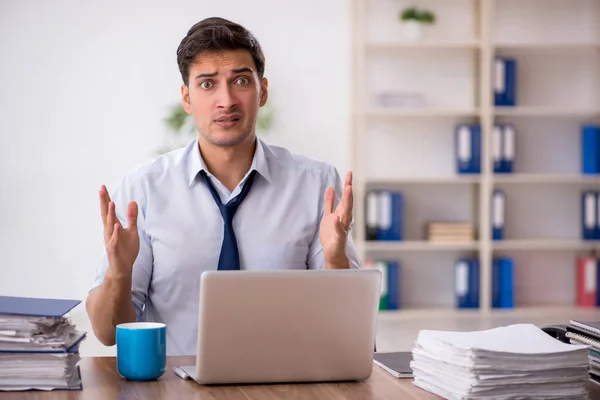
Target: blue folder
[
  {"x": 589, "y": 215},
  {"x": 468, "y": 148},
  {"x": 390, "y": 220},
  {"x": 498, "y": 219},
  {"x": 37, "y": 307},
  {"x": 393, "y": 285},
  {"x": 467, "y": 283},
  {"x": 505, "y": 87},
  {"x": 590, "y": 149},
  {"x": 502, "y": 283},
  {"x": 508, "y": 148},
  {"x": 497, "y": 148}
]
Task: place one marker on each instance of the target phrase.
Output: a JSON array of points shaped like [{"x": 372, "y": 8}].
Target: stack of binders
[
  {"x": 384, "y": 215},
  {"x": 468, "y": 148},
  {"x": 450, "y": 232},
  {"x": 505, "y": 81},
  {"x": 503, "y": 148},
  {"x": 390, "y": 282},
  {"x": 39, "y": 346},
  {"x": 587, "y": 333}
]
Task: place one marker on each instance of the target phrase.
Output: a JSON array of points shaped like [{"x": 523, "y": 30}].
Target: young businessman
[{"x": 167, "y": 221}]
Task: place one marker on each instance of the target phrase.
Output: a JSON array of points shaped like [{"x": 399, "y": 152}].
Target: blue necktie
[{"x": 229, "y": 259}]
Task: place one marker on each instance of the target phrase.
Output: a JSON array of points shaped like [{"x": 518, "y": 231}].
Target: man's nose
[{"x": 227, "y": 99}]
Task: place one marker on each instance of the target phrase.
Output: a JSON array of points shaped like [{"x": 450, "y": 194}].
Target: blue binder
[
  {"x": 466, "y": 281},
  {"x": 589, "y": 215},
  {"x": 37, "y": 307},
  {"x": 505, "y": 81},
  {"x": 508, "y": 148},
  {"x": 468, "y": 148},
  {"x": 502, "y": 283},
  {"x": 497, "y": 148},
  {"x": 390, "y": 218},
  {"x": 498, "y": 214},
  {"x": 590, "y": 149},
  {"x": 393, "y": 285}
]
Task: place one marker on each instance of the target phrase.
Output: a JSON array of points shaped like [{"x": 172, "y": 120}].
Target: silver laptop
[{"x": 285, "y": 326}]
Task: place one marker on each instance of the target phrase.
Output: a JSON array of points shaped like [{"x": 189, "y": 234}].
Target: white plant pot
[{"x": 413, "y": 30}]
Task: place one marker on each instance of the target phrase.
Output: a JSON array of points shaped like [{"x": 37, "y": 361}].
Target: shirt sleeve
[
  {"x": 316, "y": 258},
  {"x": 130, "y": 190}
]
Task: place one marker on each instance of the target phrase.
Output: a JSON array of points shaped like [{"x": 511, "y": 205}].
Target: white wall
[{"x": 84, "y": 87}]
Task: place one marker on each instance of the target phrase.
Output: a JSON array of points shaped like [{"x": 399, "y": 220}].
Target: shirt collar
[{"x": 195, "y": 163}]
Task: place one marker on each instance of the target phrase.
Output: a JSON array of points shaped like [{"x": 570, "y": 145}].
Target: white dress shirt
[{"x": 181, "y": 229}]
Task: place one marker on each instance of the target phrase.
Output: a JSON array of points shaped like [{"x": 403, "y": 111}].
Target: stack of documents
[
  {"x": 39, "y": 346},
  {"x": 450, "y": 232},
  {"x": 517, "y": 361}
]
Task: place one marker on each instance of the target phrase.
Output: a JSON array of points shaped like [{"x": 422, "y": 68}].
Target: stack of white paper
[
  {"x": 38, "y": 352},
  {"x": 517, "y": 361}
]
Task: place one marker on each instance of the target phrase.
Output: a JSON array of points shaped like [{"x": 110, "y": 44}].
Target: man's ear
[
  {"x": 185, "y": 98},
  {"x": 264, "y": 92}
]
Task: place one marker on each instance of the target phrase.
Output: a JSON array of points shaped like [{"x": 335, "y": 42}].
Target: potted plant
[{"x": 414, "y": 19}]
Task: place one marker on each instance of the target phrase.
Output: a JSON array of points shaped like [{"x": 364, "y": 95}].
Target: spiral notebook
[{"x": 589, "y": 328}]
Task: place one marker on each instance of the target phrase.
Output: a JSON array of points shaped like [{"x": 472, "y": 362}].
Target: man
[{"x": 281, "y": 208}]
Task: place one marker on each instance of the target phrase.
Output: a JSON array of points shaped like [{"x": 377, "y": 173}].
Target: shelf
[
  {"x": 517, "y": 178},
  {"x": 525, "y": 312},
  {"x": 420, "y": 112},
  {"x": 547, "y": 46},
  {"x": 532, "y": 111},
  {"x": 417, "y": 245},
  {"x": 445, "y": 180},
  {"x": 459, "y": 45},
  {"x": 545, "y": 244}
]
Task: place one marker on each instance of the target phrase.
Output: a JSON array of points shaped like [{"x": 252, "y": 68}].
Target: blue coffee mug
[{"x": 141, "y": 350}]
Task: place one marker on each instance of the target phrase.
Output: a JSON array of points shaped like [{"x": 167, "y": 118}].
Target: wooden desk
[{"x": 102, "y": 382}]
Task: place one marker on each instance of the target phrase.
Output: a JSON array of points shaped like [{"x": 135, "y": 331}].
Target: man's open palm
[
  {"x": 122, "y": 244},
  {"x": 335, "y": 224}
]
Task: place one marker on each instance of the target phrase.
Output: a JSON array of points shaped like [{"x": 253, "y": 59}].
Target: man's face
[{"x": 224, "y": 95}]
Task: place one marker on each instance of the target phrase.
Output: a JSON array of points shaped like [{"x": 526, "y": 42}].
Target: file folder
[
  {"x": 590, "y": 149},
  {"x": 498, "y": 214},
  {"x": 589, "y": 215},
  {"x": 466, "y": 280},
  {"x": 587, "y": 281},
  {"x": 390, "y": 283},
  {"x": 390, "y": 219},
  {"x": 502, "y": 283},
  {"x": 468, "y": 148},
  {"x": 371, "y": 215},
  {"x": 505, "y": 81},
  {"x": 508, "y": 148},
  {"x": 36, "y": 307},
  {"x": 497, "y": 148}
]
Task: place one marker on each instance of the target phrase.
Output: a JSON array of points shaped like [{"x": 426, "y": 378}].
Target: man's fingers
[
  {"x": 132, "y": 214},
  {"x": 328, "y": 199},
  {"x": 104, "y": 199},
  {"x": 348, "y": 181},
  {"x": 114, "y": 239},
  {"x": 340, "y": 228}
]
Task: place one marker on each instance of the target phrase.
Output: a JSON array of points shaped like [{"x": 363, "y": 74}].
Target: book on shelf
[{"x": 450, "y": 232}]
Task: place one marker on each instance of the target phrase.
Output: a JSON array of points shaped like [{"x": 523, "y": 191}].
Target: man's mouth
[{"x": 228, "y": 121}]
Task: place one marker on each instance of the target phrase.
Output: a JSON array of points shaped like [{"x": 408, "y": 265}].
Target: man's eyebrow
[
  {"x": 240, "y": 70},
  {"x": 206, "y": 75}
]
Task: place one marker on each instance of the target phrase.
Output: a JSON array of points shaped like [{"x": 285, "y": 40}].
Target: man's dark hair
[{"x": 217, "y": 34}]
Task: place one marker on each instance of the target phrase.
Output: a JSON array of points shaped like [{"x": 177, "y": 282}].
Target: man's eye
[
  {"x": 206, "y": 85},
  {"x": 243, "y": 81}
]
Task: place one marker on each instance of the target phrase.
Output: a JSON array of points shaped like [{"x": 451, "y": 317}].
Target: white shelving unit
[{"x": 412, "y": 149}]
